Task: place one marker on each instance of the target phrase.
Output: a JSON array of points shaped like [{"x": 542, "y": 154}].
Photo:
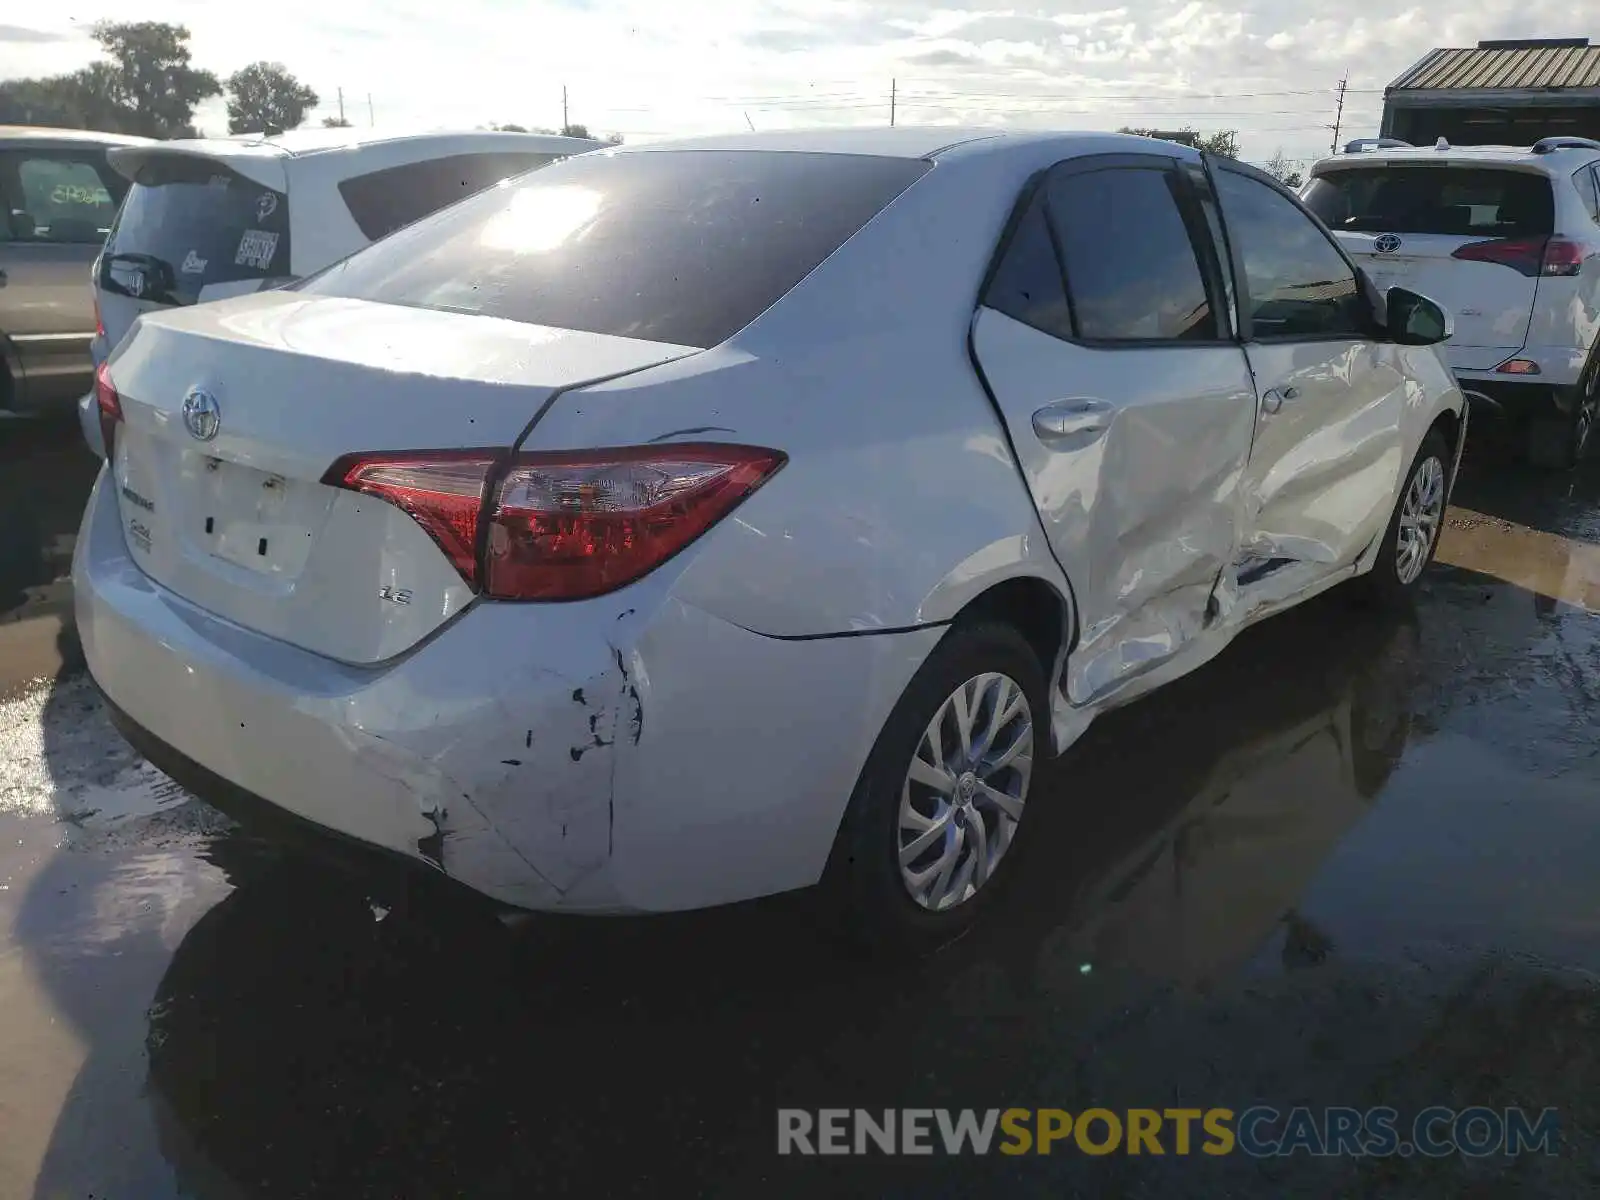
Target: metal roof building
[{"x": 1499, "y": 92}]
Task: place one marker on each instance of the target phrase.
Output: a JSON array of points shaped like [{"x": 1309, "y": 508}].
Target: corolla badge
[
  {"x": 201, "y": 416},
  {"x": 1386, "y": 243}
]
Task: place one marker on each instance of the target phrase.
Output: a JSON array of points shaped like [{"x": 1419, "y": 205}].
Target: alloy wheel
[
  {"x": 964, "y": 791},
  {"x": 1421, "y": 512}
]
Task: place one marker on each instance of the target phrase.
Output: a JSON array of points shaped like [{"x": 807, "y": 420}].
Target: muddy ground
[{"x": 1352, "y": 862}]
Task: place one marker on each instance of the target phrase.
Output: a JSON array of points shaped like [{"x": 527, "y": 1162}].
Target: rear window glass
[
  {"x": 382, "y": 201},
  {"x": 1465, "y": 202},
  {"x": 187, "y": 224},
  {"x": 674, "y": 246}
]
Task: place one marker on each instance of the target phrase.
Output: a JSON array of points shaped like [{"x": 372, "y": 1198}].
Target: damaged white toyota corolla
[{"x": 695, "y": 522}]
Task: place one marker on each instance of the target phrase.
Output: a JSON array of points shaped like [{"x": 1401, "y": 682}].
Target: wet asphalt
[{"x": 1352, "y": 862}]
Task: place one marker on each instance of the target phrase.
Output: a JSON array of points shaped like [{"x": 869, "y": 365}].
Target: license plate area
[{"x": 253, "y": 519}]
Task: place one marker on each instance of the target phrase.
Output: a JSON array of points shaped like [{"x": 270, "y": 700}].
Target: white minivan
[{"x": 213, "y": 217}]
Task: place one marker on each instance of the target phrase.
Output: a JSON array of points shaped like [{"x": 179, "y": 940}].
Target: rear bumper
[
  {"x": 263, "y": 818},
  {"x": 89, "y": 422},
  {"x": 1514, "y": 399},
  {"x": 635, "y": 755},
  {"x": 1560, "y": 368}
]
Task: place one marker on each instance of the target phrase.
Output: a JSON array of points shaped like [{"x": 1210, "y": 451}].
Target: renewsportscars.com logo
[{"x": 1260, "y": 1132}]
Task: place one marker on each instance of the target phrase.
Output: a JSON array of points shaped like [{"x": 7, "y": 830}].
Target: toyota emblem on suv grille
[
  {"x": 1386, "y": 243},
  {"x": 201, "y": 416}
]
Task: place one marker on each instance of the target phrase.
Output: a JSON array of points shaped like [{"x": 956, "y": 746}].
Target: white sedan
[{"x": 693, "y": 522}]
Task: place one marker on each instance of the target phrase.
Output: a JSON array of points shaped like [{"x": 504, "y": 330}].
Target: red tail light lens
[
  {"x": 110, "y": 405},
  {"x": 441, "y": 492},
  {"x": 563, "y": 526},
  {"x": 1528, "y": 256},
  {"x": 568, "y": 527},
  {"x": 1525, "y": 256},
  {"x": 1564, "y": 258}
]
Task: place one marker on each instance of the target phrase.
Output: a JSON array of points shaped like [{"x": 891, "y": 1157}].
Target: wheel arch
[{"x": 1042, "y": 612}]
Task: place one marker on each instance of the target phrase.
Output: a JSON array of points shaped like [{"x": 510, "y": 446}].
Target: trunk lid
[
  {"x": 242, "y": 525},
  {"x": 1404, "y": 221}
]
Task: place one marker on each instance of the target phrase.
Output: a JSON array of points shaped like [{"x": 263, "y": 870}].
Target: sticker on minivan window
[
  {"x": 193, "y": 264},
  {"x": 267, "y": 205},
  {"x": 256, "y": 249}
]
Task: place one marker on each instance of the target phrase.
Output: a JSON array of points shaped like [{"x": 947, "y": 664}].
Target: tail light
[
  {"x": 441, "y": 492},
  {"x": 563, "y": 526},
  {"x": 1518, "y": 366},
  {"x": 110, "y": 406},
  {"x": 1528, "y": 256},
  {"x": 1564, "y": 258}
]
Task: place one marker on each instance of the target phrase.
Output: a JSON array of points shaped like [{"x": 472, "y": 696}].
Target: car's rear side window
[
  {"x": 188, "y": 223},
  {"x": 1457, "y": 201},
  {"x": 60, "y": 196},
  {"x": 1027, "y": 284},
  {"x": 382, "y": 201},
  {"x": 1588, "y": 185},
  {"x": 682, "y": 246}
]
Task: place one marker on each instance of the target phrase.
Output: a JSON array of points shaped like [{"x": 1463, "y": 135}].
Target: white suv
[
  {"x": 1509, "y": 238},
  {"x": 214, "y": 217}
]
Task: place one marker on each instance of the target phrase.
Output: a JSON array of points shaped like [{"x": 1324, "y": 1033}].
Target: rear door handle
[
  {"x": 1272, "y": 399},
  {"x": 1072, "y": 418}
]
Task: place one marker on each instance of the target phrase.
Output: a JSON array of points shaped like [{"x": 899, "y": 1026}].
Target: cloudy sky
[{"x": 647, "y": 69}]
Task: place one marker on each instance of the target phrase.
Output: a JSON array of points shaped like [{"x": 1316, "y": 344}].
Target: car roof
[
  {"x": 911, "y": 141},
  {"x": 297, "y": 143},
  {"x": 1554, "y": 160},
  {"x": 264, "y": 158},
  {"x": 39, "y": 134}
]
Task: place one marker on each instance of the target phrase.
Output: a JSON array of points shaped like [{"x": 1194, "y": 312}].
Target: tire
[
  {"x": 1560, "y": 442},
  {"x": 1396, "y": 575},
  {"x": 870, "y": 895}
]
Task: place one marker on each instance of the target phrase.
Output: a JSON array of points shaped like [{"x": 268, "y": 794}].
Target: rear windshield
[
  {"x": 187, "y": 224},
  {"x": 1465, "y": 202},
  {"x": 673, "y": 246}
]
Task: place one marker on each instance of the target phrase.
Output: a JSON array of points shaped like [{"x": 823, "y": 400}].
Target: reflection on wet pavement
[{"x": 1350, "y": 862}]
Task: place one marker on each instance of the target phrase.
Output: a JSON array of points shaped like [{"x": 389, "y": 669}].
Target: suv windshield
[
  {"x": 682, "y": 246},
  {"x": 188, "y": 223},
  {"x": 1460, "y": 201}
]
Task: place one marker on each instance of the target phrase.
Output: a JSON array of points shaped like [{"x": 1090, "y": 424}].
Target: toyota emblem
[
  {"x": 201, "y": 416},
  {"x": 1386, "y": 243}
]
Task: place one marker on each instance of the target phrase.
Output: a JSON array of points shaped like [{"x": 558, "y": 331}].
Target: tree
[
  {"x": 613, "y": 139},
  {"x": 508, "y": 128},
  {"x": 335, "y": 123},
  {"x": 265, "y": 97},
  {"x": 48, "y": 102},
  {"x": 1223, "y": 145},
  {"x": 148, "y": 86},
  {"x": 581, "y": 131},
  {"x": 1280, "y": 169},
  {"x": 144, "y": 86}
]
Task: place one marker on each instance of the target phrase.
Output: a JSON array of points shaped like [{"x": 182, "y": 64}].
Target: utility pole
[
  {"x": 565, "y": 124},
  {"x": 894, "y": 87},
  {"x": 1338, "y": 114},
  {"x": 341, "y": 106},
  {"x": 371, "y": 119}
]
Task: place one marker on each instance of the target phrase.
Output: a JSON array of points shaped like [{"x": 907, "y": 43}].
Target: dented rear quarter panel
[{"x": 902, "y": 500}]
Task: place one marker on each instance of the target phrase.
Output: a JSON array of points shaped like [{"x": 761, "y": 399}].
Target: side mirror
[{"x": 1414, "y": 320}]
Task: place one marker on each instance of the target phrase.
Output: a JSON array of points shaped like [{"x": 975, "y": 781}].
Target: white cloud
[{"x": 649, "y": 70}]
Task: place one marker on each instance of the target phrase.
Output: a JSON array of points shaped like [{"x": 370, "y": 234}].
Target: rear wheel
[
  {"x": 1413, "y": 533},
  {"x": 1561, "y": 441},
  {"x": 940, "y": 804}
]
